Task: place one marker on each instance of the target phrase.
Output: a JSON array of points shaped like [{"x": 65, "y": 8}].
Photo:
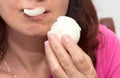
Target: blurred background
[{"x": 109, "y": 8}]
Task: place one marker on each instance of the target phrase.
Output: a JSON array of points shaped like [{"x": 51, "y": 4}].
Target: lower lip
[{"x": 39, "y": 17}]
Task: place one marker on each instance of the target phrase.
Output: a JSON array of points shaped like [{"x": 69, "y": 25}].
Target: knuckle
[
  {"x": 55, "y": 47},
  {"x": 92, "y": 76},
  {"x": 79, "y": 60},
  {"x": 55, "y": 69},
  {"x": 65, "y": 62},
  {"x": 91, "y": 73}
]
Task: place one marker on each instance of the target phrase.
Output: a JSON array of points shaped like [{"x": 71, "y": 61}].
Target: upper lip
[{"x": 46, "y": 11}]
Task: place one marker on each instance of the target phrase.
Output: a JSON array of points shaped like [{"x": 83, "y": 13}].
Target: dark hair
[
  {"x": 3, "y": 40},
  {"x": 84, "y": 13}
]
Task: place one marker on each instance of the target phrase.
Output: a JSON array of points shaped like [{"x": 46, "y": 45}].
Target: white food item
[
  {"x": 34, "y": 12},
  {"x": 68, "y": 26}
]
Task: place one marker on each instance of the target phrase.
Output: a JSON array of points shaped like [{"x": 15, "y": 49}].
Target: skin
[{"x": 44, "y": 56}]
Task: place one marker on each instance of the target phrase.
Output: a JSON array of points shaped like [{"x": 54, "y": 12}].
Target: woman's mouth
[{"x": 36, "y": 13}]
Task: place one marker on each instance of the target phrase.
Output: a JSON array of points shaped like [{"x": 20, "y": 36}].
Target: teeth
[
  {"x": 34, "y": 12},
  {"x": 66, "y": 25}
]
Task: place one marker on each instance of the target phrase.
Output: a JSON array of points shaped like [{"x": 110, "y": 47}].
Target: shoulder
[
  {"x": 106, "y": 37},
  {"x": 109, "y": 43},
  {"x": 108, "y": 54}
]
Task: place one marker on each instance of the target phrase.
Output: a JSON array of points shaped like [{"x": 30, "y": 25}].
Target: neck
[{"x": 26, "y": 52}]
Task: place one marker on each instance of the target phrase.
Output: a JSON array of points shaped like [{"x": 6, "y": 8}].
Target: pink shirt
[{"x": 108, "y": 54}]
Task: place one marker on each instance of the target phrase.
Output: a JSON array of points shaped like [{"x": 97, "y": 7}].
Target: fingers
[
  {"x": 80, "y": 59},
  {"x": 53, "y": 63},
  {"x": 62, "y": 55}
]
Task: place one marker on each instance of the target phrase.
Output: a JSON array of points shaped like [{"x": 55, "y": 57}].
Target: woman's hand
[{"x": 66, "y": 59}]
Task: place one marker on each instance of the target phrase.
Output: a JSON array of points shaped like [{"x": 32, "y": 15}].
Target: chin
[{"x": 37, "y": 34}]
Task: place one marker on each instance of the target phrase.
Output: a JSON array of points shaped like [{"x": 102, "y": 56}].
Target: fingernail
[
  {"x": 65, "y": 38},
  {"x": 51, "y": 37},
  {"x": 46, "y": 43}
]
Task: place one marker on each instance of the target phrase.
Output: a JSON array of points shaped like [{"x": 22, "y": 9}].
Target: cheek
[
  {"x": 60, "y": 6},
  {"x": 6, "y": 9},
  {"x": 63, "y": 5}
]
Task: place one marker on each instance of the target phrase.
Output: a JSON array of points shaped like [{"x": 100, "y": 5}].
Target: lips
[{"x": 36, "y": 13}]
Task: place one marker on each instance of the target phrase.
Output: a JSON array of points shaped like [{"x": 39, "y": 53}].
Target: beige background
[{"x": 109, "y": 8}]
